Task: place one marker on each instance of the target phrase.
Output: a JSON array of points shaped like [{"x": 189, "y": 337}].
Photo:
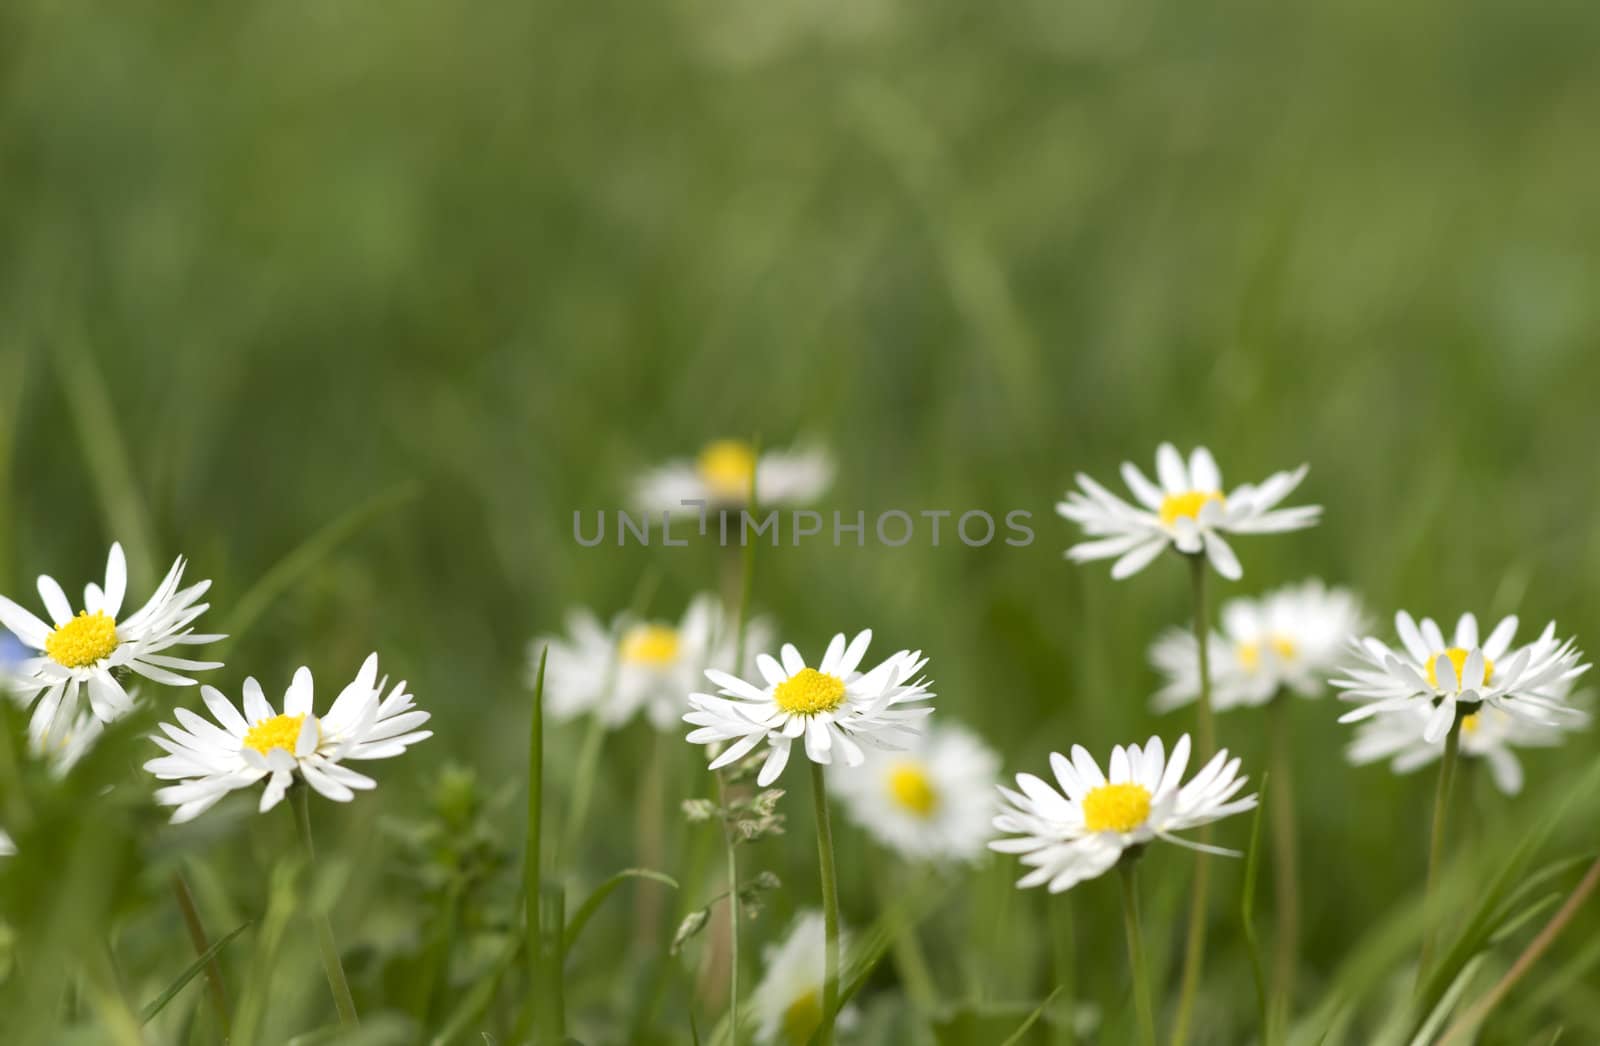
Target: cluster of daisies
[{"x": 78, "y": 670}]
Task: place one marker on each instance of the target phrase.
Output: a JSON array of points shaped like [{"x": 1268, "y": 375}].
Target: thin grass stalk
[
  {"x": 533, "y": 852},
  {"x": 196, "y": 929},
  {"x": 1464, "y": 1024},
  {"x": 1142, "y": 1004},
  {"x": 830, "y": 906},
  {"x": 1206, "y": 736},
  {"x": 1285, "y": 861},
  {"x": 332, "y": 965}
]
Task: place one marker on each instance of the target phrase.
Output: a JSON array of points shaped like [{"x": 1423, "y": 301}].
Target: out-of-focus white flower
[
  {"x": 1287, "y": 640},
  {"x": 614, "y": 672},
  {"x": 788, "y": 1001},
  {"x": 933, "y": 801},
  {"x": 720, "y": 476},
  {"x": 1188, "y": 511}
]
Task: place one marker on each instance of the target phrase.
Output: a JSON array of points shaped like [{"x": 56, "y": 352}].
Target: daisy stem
[
  {"x": 197, "y": 937},
  {"x": 584, "y": 774},
  {"x": 1441, "y": 816},
  {"x": 1205, "y": 731},
  {"x": 1285, "y": 859},
  {"x": 730, "y": 844},
  {"x": 1141, "y": 977},
  {"x": 830, "y": 907},
  {"x": 331, "y": 964}
]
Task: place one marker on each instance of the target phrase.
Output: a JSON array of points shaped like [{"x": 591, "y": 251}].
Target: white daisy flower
[
  {"x": 1530, "y": 682},
  {"x": 1069, "y": 838},
  {"x": 931, "y": 802},
  {"x": 832, "y": 706},
  {"x": 83, "y": 651},
  {"x": 1287, "y": 640},
  {"x": 650, "y": 665},
  {"x": 788, "y": 1001},
  {"x": 212, "y": 761},
  {"x": 720, "y": 476},
  {"x": 1188, "y": 511},
  {"x": 1489, "y": 734}
]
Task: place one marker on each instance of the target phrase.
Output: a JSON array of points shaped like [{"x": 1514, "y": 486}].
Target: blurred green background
[{"x": 265, "y": 263}]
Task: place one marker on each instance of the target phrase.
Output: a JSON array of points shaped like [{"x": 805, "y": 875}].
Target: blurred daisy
[
  {"x": 833, "y": 706},
  {"x": 614, "y": 672},
  {"x": 83, "y": 651},
  {"x": 931, "y": 802},
  {"x": 720, "y": 476},
  {"x": 7, "y": 847},
  {"x": 1489, "y": 734},
  {"x": 1529, "y": 682},
  {"x": 212, "y": 761},
  {"x": 1287, "y": 640},
  {"x": 788, "y": 1001},
  {"x": 1188, "y": 511},
  {"x": 1082, "y": 831}
]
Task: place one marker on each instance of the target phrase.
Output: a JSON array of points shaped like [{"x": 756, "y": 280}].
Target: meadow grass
[{"x": 354, "y": 308}]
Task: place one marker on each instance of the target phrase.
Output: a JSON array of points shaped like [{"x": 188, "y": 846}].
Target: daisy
[
  {"x": 1489, "y": 734},
  {"x": 832, "y": 706},
  {"x": 7, "y": 847},
  {"x": 614, "y": 672},
  {"x": 84, "y": 651},
  {"x": 212, "y": 761},
  {"x": 788, "y": 1001},
  {"x": 720, "y": 476},
  {"x": 1287, "y": 640},
  {"x": 1081, "y": 834},
  {"x": 1188, "y": 511},
  {"x": 1528, "y": 682},
  {"x": 931, "y": 802}
]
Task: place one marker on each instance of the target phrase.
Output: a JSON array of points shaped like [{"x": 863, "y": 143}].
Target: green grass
[{"x": 272, "y": 268}]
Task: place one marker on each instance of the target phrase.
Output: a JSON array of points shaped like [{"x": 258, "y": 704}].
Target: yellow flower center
[
  {"x": 650, "y": 645},
  {"x": 1469, "y": 724},
  {"x": 809, "y": 692},
  {"x": 802, "y": 1019},
  {"x": 727, "y": 466},
  {"x": 1116, "y": 807},
  {"x": 281, "y": 731},
  {"x": 1188, "y": 504},
  {"x": 912, "y": 789},
  {"x": 85, "y": 640},
  {"x": 1458, "y": 658},
  {"x": 1250, "y": 653}
]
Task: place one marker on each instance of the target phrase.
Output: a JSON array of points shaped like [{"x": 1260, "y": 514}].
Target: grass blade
[
  {"x": 304, "y": 557},
  {"x": 1031, "y": 1019},
  {"x": 1247, "y": 914},
  {"x": 592, "y": 903},
  {"x": 159, "y": 1003}
]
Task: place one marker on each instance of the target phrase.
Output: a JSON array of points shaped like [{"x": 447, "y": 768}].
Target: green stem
[
  {"x": 909, "y": 961},
  {"x": 1286, "y": 863},
  {"x": 197, "y": 937},
  {"x": 533, "y": 852},
  {"x": 1136, "y": 964},
  {"x": 331, "y": 964},
  {"x": 1441, "y": 817},
  {"x": 588, "y": 768},
  {"x": 830, "y": 906},
  {"x": 730, "y": 843},
  {"x": 552, "y": 1005},
  {"x": 1206, "y": 738}
]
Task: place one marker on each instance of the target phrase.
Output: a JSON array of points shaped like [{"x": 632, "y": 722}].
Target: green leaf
[
  {"x": 159, "y": 1002},
  {"x": 592, "y": 903}
]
